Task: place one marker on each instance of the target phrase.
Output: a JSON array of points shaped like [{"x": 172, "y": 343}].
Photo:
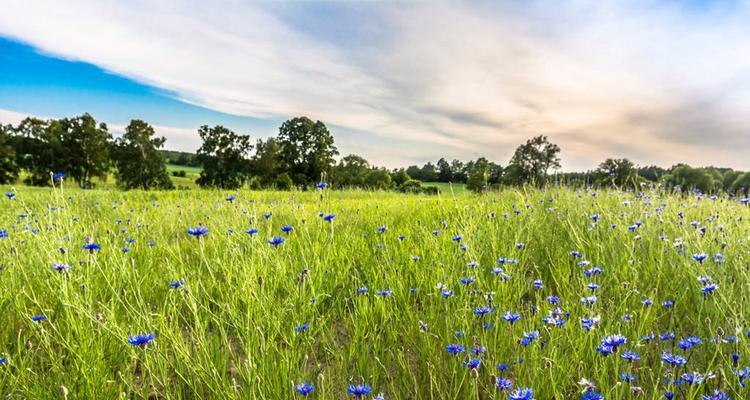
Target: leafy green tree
[
  {"x": 688, "y": 178},
  {"x": 496, "y": 173},
  {"x": 379, "y": 178},
  {"x": 445, "y": 172},
  {"x": 478, "y": 175},
  {"x": 415, "y": 172},
  {"x": 400, "y": 176},
  {"x": 8, "y": 167},
  {"x": 617, "y": 171},
  {"x": 137, "y": 158},
  {"x": 307, "y": 149},
  {"x": 39, "y": 150},
  {"x": 265, "y": 163},
  {"x": 223, "y": 157},
  {"x": 532, "y": 160},
  {"x": 352, "y": 170},
  {"x": 459, "y": 171},
  {"x": 86, "y": 145},
  {"x": 652, "y": 173},
  {"x": 283, "y": 182},
  {"x": 429, "y": 173}
]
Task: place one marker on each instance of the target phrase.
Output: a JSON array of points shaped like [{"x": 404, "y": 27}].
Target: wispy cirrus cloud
[{"x": 659, "y": 82}]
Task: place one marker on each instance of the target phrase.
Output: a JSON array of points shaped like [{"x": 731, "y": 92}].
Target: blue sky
[{"x": 398, "y": 82}]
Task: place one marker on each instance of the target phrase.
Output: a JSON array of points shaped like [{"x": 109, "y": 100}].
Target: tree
[
  {"x": 618, "y": 172},
  {"x": 137, "y": 158},
  {"x": 532, "y": 161},
  {"x": 86, "y": 147},
  {"x": 429, "y": 173},
  {"x": 459, "y": 171},
  {"x": 265, "y": 163},
  {"x": 223, "y": 156},
  {"x": 379, "y": 178},
  {"x": 652, "y": 173},
  {"x": 496, "y": 173},
  {"x": 415, "y": 172},
  {"x": 478, "y": 175},
  {"x": 307, "y": 149},
  {"x": 39, "y": 150},
  {"x": 8, "y": 166},
  {"x": 400, "y": 176},
  {"x": 445, "y": 173},
  {"x": 687, "y": 178},
  {"x": 352, "y": 170}
]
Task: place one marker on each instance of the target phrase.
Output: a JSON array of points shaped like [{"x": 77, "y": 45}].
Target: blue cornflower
[
  {"x": 60, "y": 267},
  {"x": 627, "y": 377},
  {"x": 321, "y": 185},
  {"x": 198, "y": 231},
  {"x": 39, "y": 318},
  {"x": 448, "y": 293},
  {"x": 302, "y": 328},
  {"x": 382, "y": 229},
  {"x": 91, "y": 247},
  {"x": 4, "y": 233},
  {"x": 709, "y": 288},
  {"x": 511, "y": 317},
  {"x": 589, "y": 301},
  {"x": 267, "y": 215},
  {"x": 614, "y": 341},
  {"x": 360, "y": 390},
  {"x": 287, "y": 228},
  {"x": 700, "y": 257},
  {"x": 553, "y": 300},
  {"x": 362, "y": 290},
  {"x": 588, "y": 323},
  {"x": 467, "y": 281},
  {"x": 252, "y": 231},
  {"x": 329, "y": 217},
  {"x": 473, "y": 363},
  {"x": 384, "y": 293},
  {"x": 673, "y": 359},
  {"x": 718, "y": 395},
  {"x": 58, "y": 176},
  {"x": 305, "y": 388},
  {"x": 521, "y": 394},
  {"x": 177, "y": 284},
  {"x": 630, "y": 356},
  {"x": 538, "y": 284},
  {"x": 481, "y": 311},
  {"x": 3, "y": 360},
  {"x": 10, "y": 195},
  {"x": 454, "y": 348},
  {"x": 231, "y": 198},
  {"x": 457, "y": 238},
  {"x": 592, "y": 395},
  {"x": 503, "y": 383},
  {"x": 667, "y": 304},
  {"x": 276, "y": 241},
  {"x": 142, "y": 340}
]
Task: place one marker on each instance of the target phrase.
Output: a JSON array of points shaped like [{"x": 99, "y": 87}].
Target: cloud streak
[{"x": 658, "y": 82}]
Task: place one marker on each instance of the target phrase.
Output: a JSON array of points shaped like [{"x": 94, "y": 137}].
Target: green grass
[
  {"x": 446, "y": 188},
  {"x": 230, "y": 331},
  {"x": 189, "y": 170}
]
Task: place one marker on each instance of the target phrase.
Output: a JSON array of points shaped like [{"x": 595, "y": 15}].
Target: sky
[{"x": 398, "y": 82}]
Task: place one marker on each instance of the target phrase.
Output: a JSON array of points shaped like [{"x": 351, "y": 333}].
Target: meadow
[{"x": 349, "y": 294}]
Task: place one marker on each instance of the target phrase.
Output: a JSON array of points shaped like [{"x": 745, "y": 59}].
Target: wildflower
[
  {"x": 329, "y": 217},
  {"x": 511, "y": 317},
  {"x": 589, "y": 323},
  {"x": 276, "y": 241},
  {"x": 58, "y": 176},
  {"x": 252, "y": 231},
  {"x": 360, "y": 390},
  {"x": 10, "y": 195},
  {"x": 589, "y": 301},
  {"x": 592, "y": 395},
  {"x": 481, "y": 311},
  {"x": 198, "y": 231},
  {"x": 384, "y": 293},
  {"x": 538, "y": 284},
  {"x": 473, "y": 363},
  {"x": 709, "y": 288},
  {"x": 321, "y": 185},
  {"x": 177, "y": 284},
  {"x": 700, "y": 257},
  {"x": 305, "y": 388},
  {"x": 673, "y": 359},
  {"x": 627, "y": 377},
  {"x": 718, "y": 395},
  {"x": 91, "y": 247},
  {"x": 455, "y": 348},
  {"x": 457, "y": 238},
  {"x": 302, "y": 328},
  {"x": 287, "y": 228},
  {"x": 630, "y": 356},
  {"x": 141, "y": 340},
  {"x": 553, "y": 300},
  {"x": 503, "y": 383},
  {"x": 3, "y": 360},
  {"x": 60, "y": 267},
  {"x": 521, "y": 394},
  {"x": 4, "y": 233},
  {"x": 39, "y": 318},
  {"x": 230, "y": 198},
  {"x": 362, "y": 290},
  {"x": 467, "y": 281},
  {"x": 614, "y": 341}
]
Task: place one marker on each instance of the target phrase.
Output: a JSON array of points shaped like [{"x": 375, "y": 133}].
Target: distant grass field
[
  {"x": 419, "y": 297},
  {"x": 446, "y": 188}
]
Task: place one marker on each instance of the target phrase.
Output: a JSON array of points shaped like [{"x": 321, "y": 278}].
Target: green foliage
[
  {"x": 8, "y": 167},
  {"x": 400, "y": 176},
  {"x": 265, "y": 163},
  {"x": 620, "y": 172},
  {"x": 478, "y": 175},
  {"x": 379, "y": 178},
  {"x": 532, "y": 160},
  {"x": 223, "y": 157},
  {"x": 307, "y": 150},
  {"x": 283, "y": 182},
  {"x": 688, "y": 178},
  {"x": 351, "y": 171},
  {"x": 138, "y": 161},
  {"x": 86, "y": 147}
]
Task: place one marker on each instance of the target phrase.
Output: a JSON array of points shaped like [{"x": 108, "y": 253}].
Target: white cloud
[{"x": 652, "y": 81}]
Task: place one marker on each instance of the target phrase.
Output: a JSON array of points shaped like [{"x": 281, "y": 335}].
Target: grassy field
[{"x": 418, "y": 297}]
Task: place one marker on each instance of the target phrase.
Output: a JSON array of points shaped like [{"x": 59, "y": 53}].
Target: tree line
[{"x": 302, "y": 154}]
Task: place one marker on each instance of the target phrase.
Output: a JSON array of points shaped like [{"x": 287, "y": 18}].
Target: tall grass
[{"x": 230, "y": 331}]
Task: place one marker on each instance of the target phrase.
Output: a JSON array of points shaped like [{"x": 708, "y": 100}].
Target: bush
[{"x": 284, "y": 182}]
